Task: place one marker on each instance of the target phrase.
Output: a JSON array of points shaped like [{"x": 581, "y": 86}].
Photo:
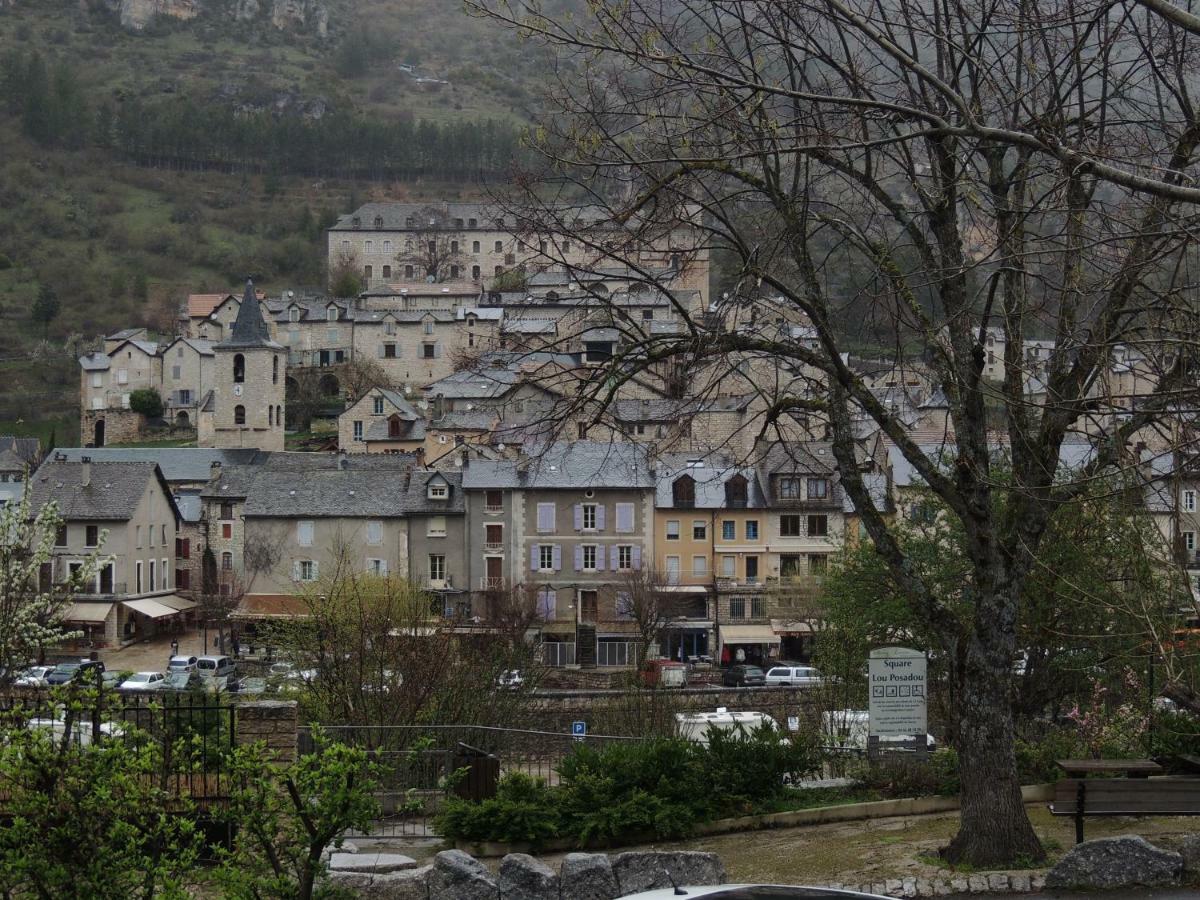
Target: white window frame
[
  {"x": 307, "y": 570},
  {"x": 545, "y": 557},
  {"x": 1189, "y": 501},
  {"x": 589, "y": 512},
  {"x": 439, "y": 567},
  {"x": 358, "y": 430},
  {"x": 304, "y": 533},
  {"x": 594, "y": 551},
  {"x": 436, "y": 526}
]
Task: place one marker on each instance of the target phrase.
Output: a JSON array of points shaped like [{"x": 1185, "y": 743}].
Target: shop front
[{"x": 756, "y": 645}]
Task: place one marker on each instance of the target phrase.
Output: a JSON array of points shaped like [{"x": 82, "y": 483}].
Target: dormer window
[
  {"x": 394, "y": 427},
  {"x": 438, "y": 490},
  {"x": 331, "y": 314},
  {"x": 683, "y": 491},
  {"x": 735, "y": 491},
  {"x": 293, "y": 314},
  {"x": 789, "y": 488},
  {"x": 356, "y": 222},
  {"x": 379, "y": 221},
  {"x": 818, "y": 488}
]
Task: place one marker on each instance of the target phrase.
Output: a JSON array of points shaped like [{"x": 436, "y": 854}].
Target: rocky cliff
[{"x": 291, "y": 15}]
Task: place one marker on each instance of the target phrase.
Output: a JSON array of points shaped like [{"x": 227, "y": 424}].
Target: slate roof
[
  {"x": 26, "y": 449},
  {"x": 876, "y": 484},
  {"x": 112, "y": 495},
  {"x": 576, "y": 465},
  {"x": 417, "y": 501},
  {"x": 249, "y": 328},
  {"x": 239, "y": 481},
  {"x": 410, "y": 430},
  {"x": 332, "y": 493},
  {"x": 177, "y": 464},
  {"x": 95, "y": 361},
  {"x": 203, "y": 347},
  {"x": 395, "y": 214},
  {"x": 710, "y": 477},
  {"x": 189, "y": 506},
  {"x": 813, "y": 457},
  {"x": 466, "y": 420},
  {"x": 124, "y": 334}
]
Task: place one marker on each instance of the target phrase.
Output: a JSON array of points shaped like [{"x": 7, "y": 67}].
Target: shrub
[
  {"x": 910, "y": 777},
  {"x": 522, "y": 811},
  {"x": 147, "y": 402}
]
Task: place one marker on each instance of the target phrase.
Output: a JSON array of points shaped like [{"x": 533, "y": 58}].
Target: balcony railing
[
  {"x": 489, "y": 583},
  {"x": 616, "y": 653},
  {"x": 493, "y": 548},
  {"x": 493, "y": 510},
  {"x": 104, "y": 590},
  {"x": 558, "y": 653}
]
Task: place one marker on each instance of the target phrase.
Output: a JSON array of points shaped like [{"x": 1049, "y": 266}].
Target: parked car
[
  {"x": 112, "y": 679},
  {"x": 34, "y": 676},
  {"x": 71, "y": 671},
  {"x": 743, "y": 676},
  {"x": 182, "y": 681},
  {"x": 511, "y": 679},
  {"x": 143, "y": 681},
  {"x": 697, "y": 726},
  {"x": 287, "y": 673},
  {"x": 181, "y": 664},
  {"x": 215, "y": 666},
  {"x": 81, "y": 731},
  {"x": 795, "y": 676},
  {"x": 252, "y": 685},
  {"x": 664, "y": 673},
  {"x": 754, "y": 892}
]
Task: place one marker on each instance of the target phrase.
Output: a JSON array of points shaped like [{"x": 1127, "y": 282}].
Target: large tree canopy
[{"x": 904, "y": 175}]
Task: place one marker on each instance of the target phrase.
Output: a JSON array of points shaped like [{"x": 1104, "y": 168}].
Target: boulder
[
  {"x": 640, "y": 870},
  {"x": 410, "y": 884},
  {"x": 1115, "y": 862},
  {"x": 1189, "y": 849},
  {"x": 524, "y": 878},
  {"x": 588, "y": 876},
  {"x": 377, "y": 863},
  {"x": 458, "y": 876}
]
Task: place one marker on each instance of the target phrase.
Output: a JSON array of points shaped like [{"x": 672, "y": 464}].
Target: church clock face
[{"x": 237, "y": 390}]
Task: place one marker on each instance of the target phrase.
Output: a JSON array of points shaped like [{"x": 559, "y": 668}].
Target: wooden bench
[{"x": 1082, "y": 797}]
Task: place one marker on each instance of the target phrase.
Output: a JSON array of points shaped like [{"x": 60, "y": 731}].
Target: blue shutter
[
  {"x": 600, "y": 517},
  {"x": 637, "y": 556},
  {"x": 546, "y": 603},
  {"x": 533, "y": 558},
  {"x": 578, "y": 557},
  {"x": 579, "y": 517},
  {"x": 624, "y": 518},
  {"x": 557, "y": 557},
  {"x": 614, "y": 557}
]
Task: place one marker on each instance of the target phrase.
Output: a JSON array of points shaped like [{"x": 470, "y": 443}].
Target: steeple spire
[{"x": 249, "y": 329}]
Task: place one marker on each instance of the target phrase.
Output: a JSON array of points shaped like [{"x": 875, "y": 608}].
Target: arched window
[
  {"x": 239, "y": 415},
  {"x": 274, "y": 370},
  {"x": 239, "y": 368}
]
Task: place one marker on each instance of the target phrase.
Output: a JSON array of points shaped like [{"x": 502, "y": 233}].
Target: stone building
[
  {"x": 381, "y": 421},
  {"x": 244, "y": 408}
]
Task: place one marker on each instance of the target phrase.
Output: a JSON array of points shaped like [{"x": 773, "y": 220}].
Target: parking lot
[{"x": 152, "y": 655}]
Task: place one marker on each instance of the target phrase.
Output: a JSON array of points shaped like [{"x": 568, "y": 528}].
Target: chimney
[
  {"x": 419, "y": 457},
  {"x": 85, "y": 472}
]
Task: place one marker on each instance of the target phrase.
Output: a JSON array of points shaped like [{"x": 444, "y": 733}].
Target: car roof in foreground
[{"x": 753, "y": 892}]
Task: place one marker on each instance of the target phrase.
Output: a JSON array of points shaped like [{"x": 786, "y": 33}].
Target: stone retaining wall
[{"x": 271, "y": 721}]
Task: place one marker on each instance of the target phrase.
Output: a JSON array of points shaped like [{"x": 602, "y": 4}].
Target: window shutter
[
  {"x": 533, "y": 557},
  {"x": 578, "y": 557},
  {"x": 600, "y": 517},
  {"x": 637, "y": 556},
  {"x": 437, "y": 350},
  {"x": 545, "y": 517},
  {"x": 557, "y": 557},
  {"x": 295, "y": 570},
  {"x": 381, "y": 351},
  {"x": 383, "y": 570},
  {"x": 579, "y": 517},
  {"x": 614, "y": 557},
  {"x": 624, "y": 518},
  {"x": 316, "y": 570},
  {"x": 546, "y": 604},
  {"x": 187, "y": 548}
]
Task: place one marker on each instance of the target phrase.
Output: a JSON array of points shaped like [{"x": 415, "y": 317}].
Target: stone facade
[
  {"x": 101, "y": 427},
  {"x": 259, "y": 396},
  {"x": 274, "y": 722}
]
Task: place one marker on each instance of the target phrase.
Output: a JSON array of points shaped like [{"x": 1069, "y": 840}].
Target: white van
[
  {"x": 215, "y": 666},
  {"x": 695, "y": 726}
]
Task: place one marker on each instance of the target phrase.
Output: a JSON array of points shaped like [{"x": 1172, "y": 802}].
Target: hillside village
[{"x": 456, "y": 453}]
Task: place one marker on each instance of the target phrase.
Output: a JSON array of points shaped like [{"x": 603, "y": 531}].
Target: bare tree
[
  {"x": 361, "y": 375},
  {"x": 955, "y": 179},
  {"x": 432, "y": 251},
  {"x": 644, "y": 597}
]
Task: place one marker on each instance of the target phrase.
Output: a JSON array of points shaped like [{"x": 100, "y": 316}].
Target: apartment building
[
  {"x": 571, "y": 525},
  {"x": 125, "y": 513}
]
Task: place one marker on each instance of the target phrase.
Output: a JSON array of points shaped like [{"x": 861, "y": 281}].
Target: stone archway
[
  {"x": 98, "y": 434},
  {"x": 329, "y": 385},
  {"x": 182, "y": 420}
]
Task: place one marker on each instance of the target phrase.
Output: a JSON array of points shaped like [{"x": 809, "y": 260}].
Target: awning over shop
[
  {"x": 88, "y": 612},
  {"x": 271, "y": 606},
  {"x": 748, "y": 634},
  {"x": 682, "y": 589},
  {"x": 147, "y": 607},
  {"x": 179, "y": 604},
  {"x": 792, "y": 628}
]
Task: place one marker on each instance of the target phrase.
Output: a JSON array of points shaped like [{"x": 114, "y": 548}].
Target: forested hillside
[{"x": 139, "y": 166}]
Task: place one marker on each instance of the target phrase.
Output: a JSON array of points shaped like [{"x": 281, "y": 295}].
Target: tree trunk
[{"x": 993, "y": 825}]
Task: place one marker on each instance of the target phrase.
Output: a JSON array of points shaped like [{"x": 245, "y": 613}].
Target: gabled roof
[
  {"x": 95, "y": 361},
  {"x": 417, "y": 501},
  {"x": 201, "y": 306},
  {"x": 238, "y": 481},
  {"x": 332, "y": 493},
  {"x": 466, "y": 420},
  {"x": 579, "y": 464},
  {"x": 249, "y": 328},
  {"x": 177, "y": 464},
  {"x": 112, "y": 493},
  {"x": 203, "y": 347},
  {"x": 410, "y": 430},
  {"x": 125, "y": 334},
  {"x": 810, "y": 458},
  {"x": 25, "y": 449},
  {"x": 150, "y": 348}
]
